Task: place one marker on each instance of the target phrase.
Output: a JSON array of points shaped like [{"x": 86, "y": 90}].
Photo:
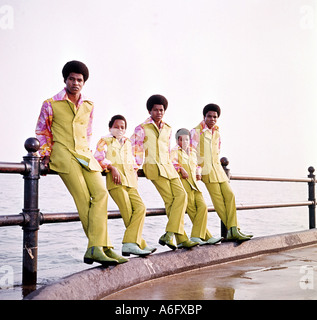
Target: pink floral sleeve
[
  {"x": 137, "y": 140},
  {"x": 101, "y": 154},
  {"x": 43, "y": 129}
]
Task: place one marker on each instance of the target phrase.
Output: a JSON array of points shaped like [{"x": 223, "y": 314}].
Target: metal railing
[{"x": 31, "y": 218}]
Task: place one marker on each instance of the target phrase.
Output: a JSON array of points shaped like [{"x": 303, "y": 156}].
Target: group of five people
[{"x": 64, "y": 130}]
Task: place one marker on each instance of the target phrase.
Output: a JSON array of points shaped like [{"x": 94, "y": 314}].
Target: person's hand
[
  {"x": 116, "y": 177},
  {"x": 184, "y": 173},
  {"x": 46, "y": 161}
]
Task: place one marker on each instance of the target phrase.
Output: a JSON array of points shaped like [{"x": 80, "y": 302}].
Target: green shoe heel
[
  {"x": 167, "y": 239},
  {"x": 234, "y": 234},
  {"x": 96, "y": 254}
]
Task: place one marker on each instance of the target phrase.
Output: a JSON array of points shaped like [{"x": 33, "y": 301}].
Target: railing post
[
  {"x": 311, "y": 197},
  {"x": 31, "y": 210},
  {"x": 224, "y": 162}
]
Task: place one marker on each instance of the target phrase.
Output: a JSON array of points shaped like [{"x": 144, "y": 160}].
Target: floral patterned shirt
[
  {"x": 44, "y": 124},
  {"x": 101, "y": 152},
  {"x": 195, "y": 136},
  {"x": 137, "y": 140},
  {"x": 190, "y": 152}
]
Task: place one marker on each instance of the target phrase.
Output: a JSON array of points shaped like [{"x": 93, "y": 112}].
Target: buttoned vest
[
  {"x": 189, "y": 163},
  {"x": 157, "y": 160},
  {"x": 121, "y": 157},
  {"x": 208, "y": 156},
  {"x": 69, "y": 129}
]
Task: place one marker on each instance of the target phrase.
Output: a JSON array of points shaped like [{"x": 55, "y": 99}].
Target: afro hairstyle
[
  {"x": 76, "y": 67},
  {"x": 211, "y": 107},
  {"x": 156, "y": 99}
]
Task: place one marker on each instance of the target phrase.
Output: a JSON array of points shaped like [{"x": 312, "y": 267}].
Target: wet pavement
[{"x": 286, "y": 275}]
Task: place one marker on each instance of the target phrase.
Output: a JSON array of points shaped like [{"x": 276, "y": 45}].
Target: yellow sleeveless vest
[
  {"x": 189, "y": 163},
  {"x": 208, "y": 157},
  {"x": 121, "y": 157},
  {"x": 157, "y": 158},
  {"x": 69, "y": 129}
]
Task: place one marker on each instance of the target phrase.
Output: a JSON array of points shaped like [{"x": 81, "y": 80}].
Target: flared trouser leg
[
  {"x": 175, "y": 200},
  {"x": 224, "y": 203},
  {"x": 133, "y": 212},
  {"x": 91, "y": 198},
  {"x": 198, "y": 213}
]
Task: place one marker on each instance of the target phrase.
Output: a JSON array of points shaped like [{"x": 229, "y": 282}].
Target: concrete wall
[{"x": 98, "y": 282}]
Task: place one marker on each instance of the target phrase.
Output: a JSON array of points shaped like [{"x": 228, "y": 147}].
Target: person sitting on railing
[
  {"x": 205, "y": 139},
  {"x": 152, "y": 138},
  {"x": 114, "y": 154},
  {"x": 63, "y": 130},
  {"x": 185, "y": 162}
]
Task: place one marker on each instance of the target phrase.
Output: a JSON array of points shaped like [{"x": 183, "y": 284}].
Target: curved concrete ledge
[{"x": 98, "y": 282}]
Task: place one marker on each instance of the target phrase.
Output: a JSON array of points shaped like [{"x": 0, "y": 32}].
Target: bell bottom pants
[
  {"x": 91, "y": 198},
  {"x": 197, "y": 211},
  {"x": 224, "y": 202},
  {"x": 133, "y": 212},
  {"x": 175, "y": 200}
]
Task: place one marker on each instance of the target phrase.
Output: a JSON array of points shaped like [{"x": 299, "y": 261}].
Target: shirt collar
[
  {"x": 150, "y": 120},
  {"x": 190, "y": 149},
  {"x": 62, "y": 95},
  {"x": 203, "y": 127},
  {"x": 121, "y": 141}
]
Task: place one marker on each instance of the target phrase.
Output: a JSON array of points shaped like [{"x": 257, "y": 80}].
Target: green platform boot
[
  {"x": 112, "y": 254},
  {"x": 247, "y": 235},
  {"x": 96, "y": 254},
  {"x": 133, "y": 248},
  {"x": 213, "y": 240},
  {"x": 167, "y": 239},
  {"x": 199, "y": 240},
  {"x": 187, "y": 244},
  {"x": 234, "y": 234}
]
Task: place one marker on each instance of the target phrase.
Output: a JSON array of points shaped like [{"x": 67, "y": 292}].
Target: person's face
[
  {"x": 157, "y": 113},
  {"x": 211, "y": 118},
  {"x": 183, "y": 141},
  {"x": 74, "y": 83},
  {"x": 118, "y": 128}
]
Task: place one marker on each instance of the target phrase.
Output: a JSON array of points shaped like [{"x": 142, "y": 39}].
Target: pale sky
[{"x": 257, "y": 59}]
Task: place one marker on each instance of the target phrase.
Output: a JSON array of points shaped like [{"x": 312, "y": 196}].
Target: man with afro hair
[
  {"x": 63, "y": 130},
  {"x": 205, "y": 139},
  {"x": 152, "y": 139}
]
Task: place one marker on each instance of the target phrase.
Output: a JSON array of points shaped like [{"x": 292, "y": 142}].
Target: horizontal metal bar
[
  {"x": 11, "y": 167},
  {"x": 274, "y": 205},
  {"x": 11, "y": 220},
  {"x": 233, "y": 177}
]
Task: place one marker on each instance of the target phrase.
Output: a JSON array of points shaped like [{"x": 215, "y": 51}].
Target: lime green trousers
[
  {"x": 133, "y": 212},
  {"x": 197, "y": 211},
  {"x": 224, "y": 202},
  {"x": 175, "y": 200},
  {"x": 91, "y": 198}
]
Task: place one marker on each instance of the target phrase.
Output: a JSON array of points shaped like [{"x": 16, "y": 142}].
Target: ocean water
[{"x": 62, "y": 245}]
